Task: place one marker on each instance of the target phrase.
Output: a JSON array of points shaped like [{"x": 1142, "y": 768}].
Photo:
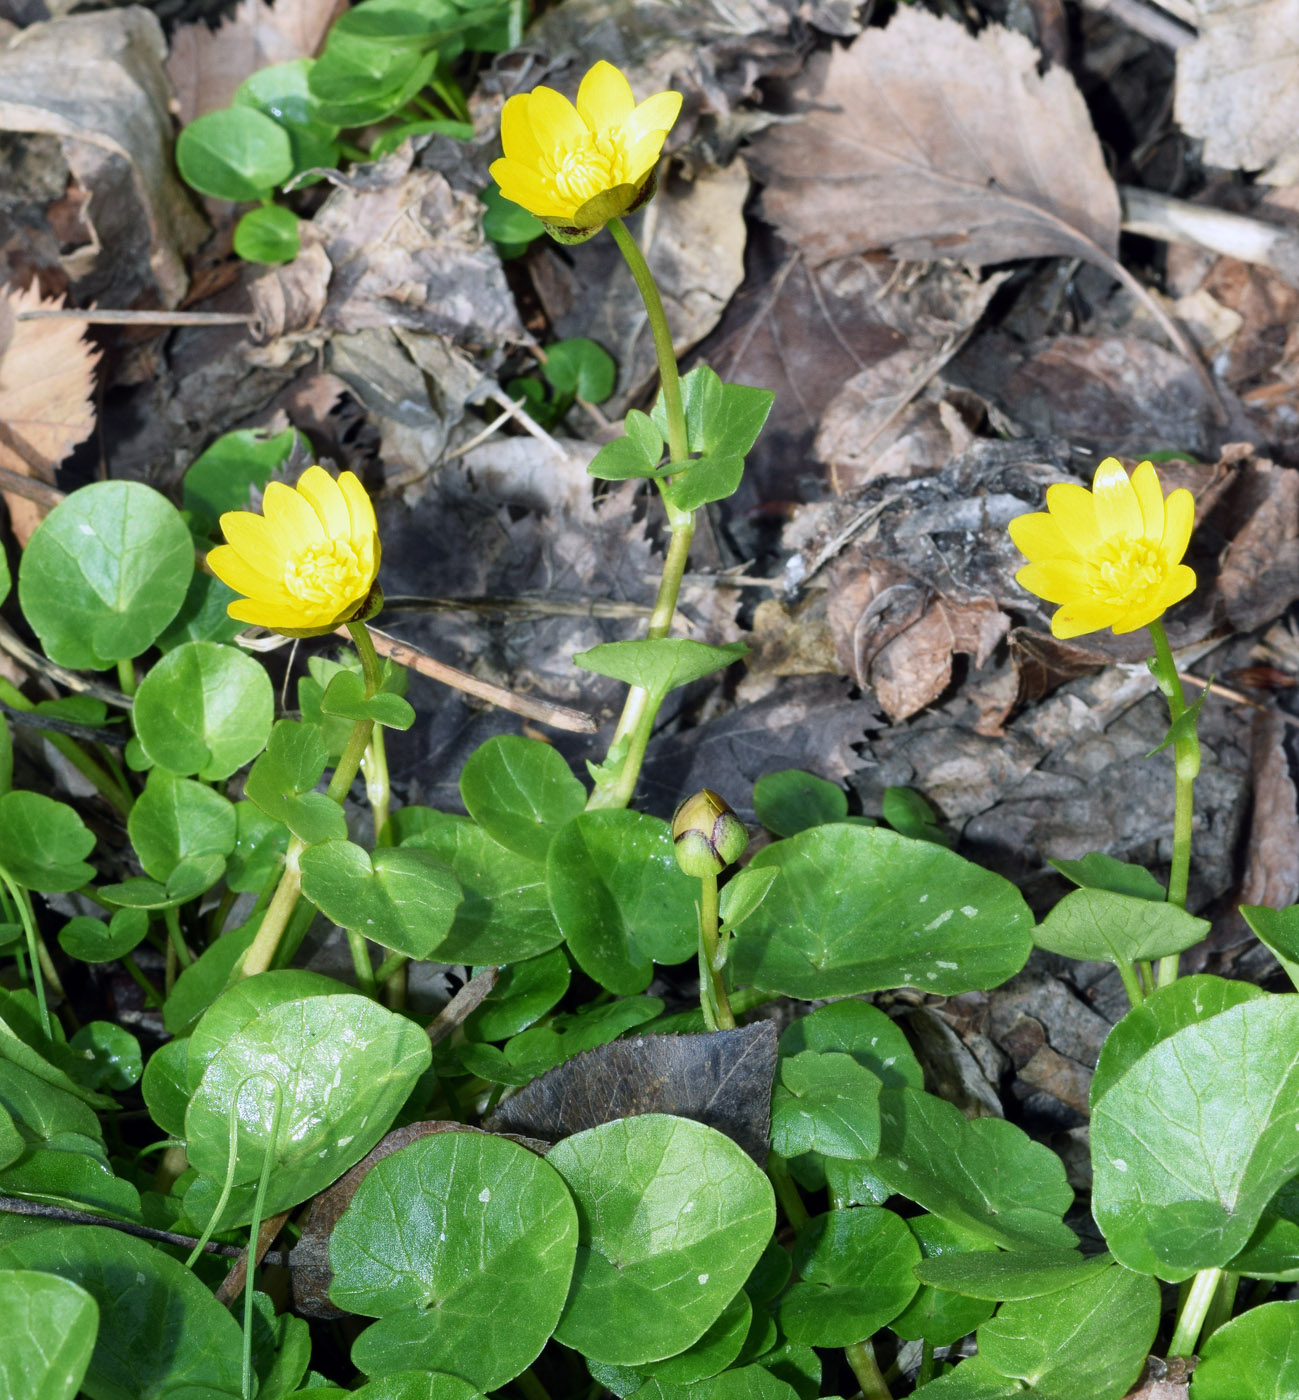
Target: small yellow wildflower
[
  {"x": 576, "y": 168},
  {"x": 1111, "y": 556},
  {"x": 308, "y": 563}
]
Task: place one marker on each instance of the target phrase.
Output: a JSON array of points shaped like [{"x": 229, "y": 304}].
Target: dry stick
[
  {"x": 39, "y": 491},
  {"x": 543, "y": 711},
  {"x": 467, "y": 999},
  {"x": 1235, "y": 697},
  {"x": 142, "y": 318},
  {"x": 232, "y": 1285},
  {"x": 70, "y": 680}
]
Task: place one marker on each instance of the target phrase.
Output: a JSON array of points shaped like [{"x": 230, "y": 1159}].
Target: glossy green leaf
[
  {"x": 165, "y": 1086},
  {"x": 791, "y": 801},
  {"x": 268, "y": 234},
  {"x": 388, "y": 141},
  {"x": 161, "y": 1332},
  {"x": 345, "y": 698},
  {"x": 972, "y": 1379},
  {"x": 1273, "y": 1249},
  {"x": 12, "y": 1142},
  {"x": 909, "y": 814},
  {"x": 344, "y": 1066},
  {"x": 710, "y": 478},
  {"x": 1018, "y": 1274},
  {"x": 43, "y": 843},
  {"x": 1101, "y": 926},
  {"x": 224, "y": 476},
  {"x": 1165, "y": 1011},
  {"x": 1190, "y": 1145},
  {"x": 356, "y": 82},
  {"x": 505, "y": 916},
  {"x": 1097, "y": 871},
  {"x": 984, "y": 1174},
  {"x": 713, "y": 1352},
  {"x": 463, "y": 1245},
  {"x": 47, "y": 1333},
  {"x": 507, "y": 224},
  {"x": 235, "y": 153},
  {"x": 204, "y": 709},
  {"x": 202, "y": 618},
  {"x": 113, "y": 1054},
  {"x": 721, "y": 419},
  {"x": 659, "y": 665},
  {"x": 258, "y": 851},
  {"x": 62, "y": 1175},
  {"x": 876, "y": 1042},
  {"x": 1277, "y": 930},
  {"x": 43, "y": 1109},
  {"x": 1253, "y": 1357},
  {"x": 620, "y": 898},
  {"x": 934, "y": 1315},
  {"x": 205, "y": 978},
  {"x": 855, "y": 1266},
  {"x": 104, "y": 573},
  {"x": 523, "y": 993},
  {"x": 1091, "y": 1338},
  {"x": 826, "y": 1103},
  {"x": 410, "y": 1385},
  {"x": 742, "y": 894},
  {"x": 177, "y": 817},
  {"x": 280, "y": 782},
  {"x": 243, "y": 1003},
  {"x": 579, "y": 366},
  {"x": 637, "y": 453},
  {"x": 520, "y": 791},
  {"x": 860, "y": 909},
  {"x": 672, "y": 1217}
]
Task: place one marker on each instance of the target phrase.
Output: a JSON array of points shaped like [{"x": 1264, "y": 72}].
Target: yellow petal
[
  {"x": 605, "y": 98},
  {"x": 234, "y": 570},
  {"x": 1056, "y": 580},
  {"x": 555, "y": 124},
  {"x": 1150, "y": 497},
  {"x": 523, "y": 185},
  {"x": 326, "y": 498},
  {"x": 1038, "y": 536},
  {"x": 1072, "y": 508},
  {"x": 1179, "y": 517},
  {"x": 518, "y": 140},
  {"x": 1118, "y": 512},
  {"x": 292, "y": 522},
  {"x": 295, "y": 620},
  {"x": 1076, "y": 619},
  {"x": 254, "y": 539},
  {"x": 642, "y": 156},
  {"x": 362, "y": 525},
  {"x": 655, "y": 114}
]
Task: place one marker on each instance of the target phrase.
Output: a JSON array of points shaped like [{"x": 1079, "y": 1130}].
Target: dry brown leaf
[
  {"x": 927, "y": 141},
  {"x": 47, "y": 380},
  {"x": 207, "y": 65},
  {"x": 96, "y": 82},
  {"x": 1259, "y": 577},
  {"x": 1238, "y": 86}
]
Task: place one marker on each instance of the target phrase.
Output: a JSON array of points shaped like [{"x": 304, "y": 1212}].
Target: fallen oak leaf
[
  {"x": 930, "y": 142},
  {"x": 47, "y": 380}
]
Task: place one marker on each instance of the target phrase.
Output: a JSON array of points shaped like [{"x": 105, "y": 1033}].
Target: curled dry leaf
[
  {"x": 207, "y": 65},
  {"x": 47, "y": 381},
  {"x": 1259, "y": 577},
  {"x": 927, "y": 141},
  {"x": 1238, "y": 86},
  {"x": 96, "y": 82}
]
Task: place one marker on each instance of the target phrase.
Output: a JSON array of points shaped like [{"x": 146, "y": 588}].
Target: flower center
[
  {"x": 595, "y": 164},
  {"x": 328, "y": 574},
  {"x": 1127, "y": 572}
]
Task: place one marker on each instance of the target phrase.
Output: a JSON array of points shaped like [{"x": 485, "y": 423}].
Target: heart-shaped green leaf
[{"x": 345, "y": 697}]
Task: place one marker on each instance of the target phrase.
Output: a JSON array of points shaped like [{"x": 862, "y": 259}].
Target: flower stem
[
  {"x": 1194, "y": 1311},
  {"x": 712, "y": 984},
  {"x": 35, "y": 948},
  {"x": 374, "y": 768},
  {"x": 786, "y": 1191},
  {"x": 1186, "y": 765},
  {"x": 261, "y": 951},
  {"x": 126, "y": 676},
  {"x": 1131, "y": 985},
  {"x": 641, "y": 708},
  {"x": 861, "y": 1357}
]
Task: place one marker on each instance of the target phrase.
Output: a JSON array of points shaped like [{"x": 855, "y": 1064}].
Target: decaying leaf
[
  {"x": 96, "y": 82},
  {"x": 924, "y": 140},
  {"x": 1259, "y": 577},
  {"x": 1272, "y": 868},
  {"x": 723, "y": 1079},
  {"x": 1238, "y": 86},
  {"x": 206, "y": 65},
  {"x": 47, "y": 381}
]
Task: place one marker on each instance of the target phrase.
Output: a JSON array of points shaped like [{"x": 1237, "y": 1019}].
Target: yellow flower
[
  {"x": 1111, "y": 556},
  {"x": 576, "y": 168},
  {"x": 308, "y": 563}
]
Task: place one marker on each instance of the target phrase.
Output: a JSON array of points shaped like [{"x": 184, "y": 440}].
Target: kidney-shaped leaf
[
  {"x": 1190, "y": 1145},
  {"x": 463, "y": 1245},
  {"x": 105, "y": 572},
  {"x": 344, "y": 1066},
  {"x": 673, "y": 1216},
  {"x": 161, "y": 1331},
  {"x": 859, "y": 909},
  {"x": 43, "y": 843},
  {"x": 520, "y": 791},
  {"x": 1101, "y": 926},
  {"x": 47, "y": 1332},
  {"x": 177, "y": 817},
  {"x": 1253, "y": 1357}
]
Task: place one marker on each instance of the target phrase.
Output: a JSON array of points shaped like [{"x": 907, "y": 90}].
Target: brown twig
[
  {"x": 142, "y": 318},
  {"x": 1235, "y": 696},
  {"x": 232, "y": 1285},
  {"x": 71, "y": 680},
  {"x": 543, "y": 711},
  {"x": 466, "y": 1000},
  {"x": 39, "y": 491}
]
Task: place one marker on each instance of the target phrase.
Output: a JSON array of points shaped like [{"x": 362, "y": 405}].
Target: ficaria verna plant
[{"x": 705, "y": 1211}]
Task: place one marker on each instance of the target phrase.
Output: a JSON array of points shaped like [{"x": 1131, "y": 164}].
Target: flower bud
[{"x": 707, "y": 835}]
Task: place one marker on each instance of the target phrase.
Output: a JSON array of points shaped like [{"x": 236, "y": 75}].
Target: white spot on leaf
[{"x": 484, "y": 1195}]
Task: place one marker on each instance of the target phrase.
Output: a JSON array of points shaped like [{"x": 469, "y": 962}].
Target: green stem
[
  {"x": 73, "y": 752},
  {"x": 133, "y": 969},
  {"x": 1186, "y": 765},
  {"x": 172, "y": 919},
  {"x": 126, "y": 676},
  {"x": 716, "y": 981},
  {"x": 786, "y": 1192},
  {"x": 926, "y": 1372},
  {"x": 1194, "y": 1311},
  {"x": 27, "y": 918},
  {"x": 1224, "y": 1299},
  {"x": 361, "y": 964},
  {"x": 1130, "y": 984},
  {"x": 861, "y": 1357},
  {"x": 374, "y": 768},
  {"x": 530, "y": 1386}
]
